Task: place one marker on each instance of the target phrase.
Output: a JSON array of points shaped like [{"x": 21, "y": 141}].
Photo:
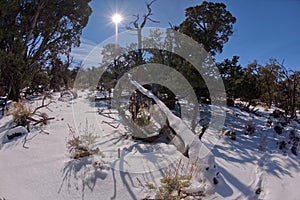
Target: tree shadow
[
  {"x": 246, "y": 150},
  {"x": 82, "y": 174},
  {"x": 127, "y": 178},
  {"x": 235, "y": 182}
]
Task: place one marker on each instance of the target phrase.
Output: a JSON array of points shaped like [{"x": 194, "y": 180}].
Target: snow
[
  {"x": 37, "y": 165},
  {"x": 15, "y": 133}
]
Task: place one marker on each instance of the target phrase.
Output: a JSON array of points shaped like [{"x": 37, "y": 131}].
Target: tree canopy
[
  {"x": 210, "y": 24},
  {"x": 32, "y": 33}
]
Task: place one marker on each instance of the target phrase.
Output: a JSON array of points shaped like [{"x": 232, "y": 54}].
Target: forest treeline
[{"x": 37, "y": 37}]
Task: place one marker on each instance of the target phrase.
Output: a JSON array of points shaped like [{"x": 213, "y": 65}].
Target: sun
[{"x": 117, "y": 18}]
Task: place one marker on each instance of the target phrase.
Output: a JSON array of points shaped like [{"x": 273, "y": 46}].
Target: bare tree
[{"x": 138, "y": 27}]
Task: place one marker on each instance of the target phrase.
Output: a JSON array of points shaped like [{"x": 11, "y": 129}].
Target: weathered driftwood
[
  {"x": 184, "y": 139},
  {"x": 35, "y": 117}
]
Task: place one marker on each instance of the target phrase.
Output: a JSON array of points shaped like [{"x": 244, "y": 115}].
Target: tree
[
  {"x": 231, "y": 72},
  {"x": 32, "y": 31},
  {"x": 289, "y": 86},
  {"x": 138, "y": 27},
  {"x": 248, "y": 85},
  {"x": 268, "y": 80},
  {"x": 209, "y": 24}
]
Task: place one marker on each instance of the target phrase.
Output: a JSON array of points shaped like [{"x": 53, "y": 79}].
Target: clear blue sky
[{"x": 264, "y": 28}]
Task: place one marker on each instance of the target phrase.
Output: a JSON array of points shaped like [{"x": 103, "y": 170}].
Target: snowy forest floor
[{"x": 37, "y": 166}]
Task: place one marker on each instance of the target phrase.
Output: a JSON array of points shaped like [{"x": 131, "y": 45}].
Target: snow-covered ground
[{"x": 37, "y": 165}]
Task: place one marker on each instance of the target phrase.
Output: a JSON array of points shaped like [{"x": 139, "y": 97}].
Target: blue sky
[{"x": 264, "y": 28}]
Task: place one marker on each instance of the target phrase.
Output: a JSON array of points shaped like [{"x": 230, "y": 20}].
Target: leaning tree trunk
[
  {"x": 192, "y": 146},
  {"x": 184, "y": 140}
]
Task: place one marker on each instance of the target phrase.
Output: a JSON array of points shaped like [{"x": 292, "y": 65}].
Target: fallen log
[
  {"x": 185, "y": 140},
  {"x": 12, "y": 136}
]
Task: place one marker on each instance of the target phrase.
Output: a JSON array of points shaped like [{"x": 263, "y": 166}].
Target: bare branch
[
  {"x": 34, "y": 19},
  {"x": 135, "y": 22},
  {"x": 43, "y": 121},
  {"x": 145, "y": 17},
  {"x": 42, "y": 106},
  {"x": 154, "y": 21}
]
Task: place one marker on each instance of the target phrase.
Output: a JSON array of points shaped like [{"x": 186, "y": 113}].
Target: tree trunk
[
  {"x": 14, "y": 92},
  {"x": 139, "y": 31},
  {"x": 293, "y": 106}
]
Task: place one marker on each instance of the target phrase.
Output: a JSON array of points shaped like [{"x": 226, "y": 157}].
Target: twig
[
  {"x": 43, "y": 120},
  {"x": 42, "y": 106},
  {"x": 25, "y": 140},
  {"x": 110, "y": 123}
]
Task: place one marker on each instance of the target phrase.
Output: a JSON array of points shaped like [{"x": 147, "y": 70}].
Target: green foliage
[
  {"x": 150, "y": 186},
  {"x": 271, "y": 84},
  {"x": 40, "y": 78},
  {"x": 172, "y": 186},
  {"x": 269, "y": 76},
  {"x": 175, "y": 181},
  {"x": 248, "y": 85},
  {"x": 31, "y": 31},
  {"x": 209, "y": 24},
  {"x": 231, "y": 73}
]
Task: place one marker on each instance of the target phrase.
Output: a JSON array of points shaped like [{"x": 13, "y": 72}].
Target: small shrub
[
  {"x": 230, "y": 102},
  {"x": 172, "y": 186},
  {"x": 20, "y": 114},
  {"x": 278, "y": 129},
  {"x": 82, "y": 145},
  {"x": 175, "y": 181},
  {"x": 230, "y": 134},
  {"x": 151, "y": 186},
  {"x": 295, "y": 142},
  {"x": 294, "y": 150},
  {"x": 269, "y": 122},
  {"x": 282, "y": 145},
  {"x": 25, "y": 116},
  {"x": 292, "y": 134},
  {"x": 250, "y": 128},
  {"x": 278, "y": 114},
  {"x": 263, "y": 142}
]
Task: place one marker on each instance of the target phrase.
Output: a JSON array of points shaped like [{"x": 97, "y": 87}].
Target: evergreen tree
[
  {"x": 32, "y": 31},
  {"x": 209, "y": 24},
  {"x": 231, "y": 73}
]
